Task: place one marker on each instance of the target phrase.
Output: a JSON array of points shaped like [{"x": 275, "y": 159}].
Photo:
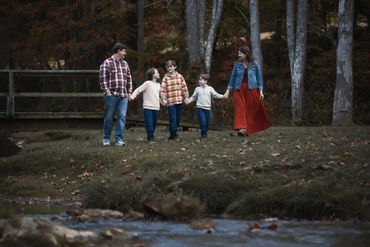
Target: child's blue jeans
[
  {"x": 174, "y": 115},
  {"x": 203, "y": 118},
  {"x": 150, "y": 117}
]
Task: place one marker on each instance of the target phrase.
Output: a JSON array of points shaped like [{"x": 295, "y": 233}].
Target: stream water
[{"x": 233, "y": 233}]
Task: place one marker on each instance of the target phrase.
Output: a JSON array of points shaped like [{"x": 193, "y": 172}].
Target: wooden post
[{"x": 10, "y": 110}]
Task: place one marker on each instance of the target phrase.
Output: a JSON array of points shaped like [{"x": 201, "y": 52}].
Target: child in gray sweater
[{"x": 203, "y": 94}]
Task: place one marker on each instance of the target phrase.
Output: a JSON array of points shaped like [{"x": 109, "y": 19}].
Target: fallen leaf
[
  {"x": 334, "y": 157},
  {"x": 274, "y": 154},
  {"x": 254, "y": 227},
  {"x": 272, "y": 227}
]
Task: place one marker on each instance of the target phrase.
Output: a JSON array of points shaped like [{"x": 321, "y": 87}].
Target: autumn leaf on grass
[
  {"x": 283, "y": 167},
  {"x": 274, "y": 154},
  {"x": 334, "y": 157},
  {"x": 346, "y": 154},
  {"x": 73, "y": 193},
  {"x": 85, "y": 175}
]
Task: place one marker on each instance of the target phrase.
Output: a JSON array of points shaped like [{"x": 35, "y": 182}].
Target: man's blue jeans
[
  {"x": 115, "y": 105},
  {"x": 174, "y": 115},
  {"x": 203, "y": 118},
  {"x": 150, "y": 117}
]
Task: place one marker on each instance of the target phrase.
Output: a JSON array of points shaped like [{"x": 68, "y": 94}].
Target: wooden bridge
[
  {"x": 13, "y": 117},
  {"x": 12, "y": 95}
]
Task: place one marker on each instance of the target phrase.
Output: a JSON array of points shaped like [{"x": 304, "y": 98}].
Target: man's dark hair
[
  {"x": 118, "y": 46},
  {"x": 149, "y": 73}
]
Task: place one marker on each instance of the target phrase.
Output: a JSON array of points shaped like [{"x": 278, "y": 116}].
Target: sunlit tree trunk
[
  {"x": 343, "y": 95},
  {"x": 215, "y": 19},
  {"x": 297, "y": 55},
  {"x": 255, "y": 32}
]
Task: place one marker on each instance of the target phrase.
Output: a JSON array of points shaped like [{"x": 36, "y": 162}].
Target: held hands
[
  {"x": 261, "y": 95},
  {"x": 186, "y": 101},
  {"x": 226, "y": 95},
  {"x": 163, "y": 102},
  {"x": 130, "y": 97}
]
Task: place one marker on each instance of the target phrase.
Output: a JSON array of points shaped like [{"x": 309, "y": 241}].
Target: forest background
[{"x": 78, "y": 34}]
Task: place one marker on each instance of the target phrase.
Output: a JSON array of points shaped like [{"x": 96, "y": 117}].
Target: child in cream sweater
[{"x": 151, "y": 103}]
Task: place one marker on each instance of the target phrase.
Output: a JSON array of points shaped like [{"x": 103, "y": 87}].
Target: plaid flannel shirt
[
  {"x": 174, "y": 89},
  {"x": 115, "y": 75}
]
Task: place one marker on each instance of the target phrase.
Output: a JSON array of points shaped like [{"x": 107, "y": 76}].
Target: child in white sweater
[
  {"x": 203, "y": 94},
  {"x": 151, "y": 103}
]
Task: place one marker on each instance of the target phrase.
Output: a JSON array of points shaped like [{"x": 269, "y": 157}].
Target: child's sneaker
[
  {"x": 106, "y": 142},
  {"x": 120, "y": 143},
  {"x": 175, "y": 137}
]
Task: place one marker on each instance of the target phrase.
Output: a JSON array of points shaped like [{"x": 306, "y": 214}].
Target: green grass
[{"x": 300, "y": 172}]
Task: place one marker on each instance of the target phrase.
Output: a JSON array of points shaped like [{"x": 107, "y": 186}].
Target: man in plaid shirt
[{"x": 116, "y": 83}]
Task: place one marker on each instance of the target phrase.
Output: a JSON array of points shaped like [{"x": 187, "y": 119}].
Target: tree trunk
[
  {"x": 192, "y": 26},
  {"x": 290, "y": 33},
  {"x": 255, "y": 32},
  {"x": 299, "y": 59},
  {"x": 216, "y": 16},
  {"x": 201, "y": 25},
  {"x": 140, "y": 38},
  {"x": 343, "y": 95}
]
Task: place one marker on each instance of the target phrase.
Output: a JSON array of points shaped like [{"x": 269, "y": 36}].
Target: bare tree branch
[{"x": 242, "y": 14}]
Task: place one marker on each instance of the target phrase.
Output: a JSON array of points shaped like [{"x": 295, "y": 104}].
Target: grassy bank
[{"x": 314, "y": 173}]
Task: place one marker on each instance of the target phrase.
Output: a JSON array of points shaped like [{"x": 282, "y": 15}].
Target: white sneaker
[
  {"x": 106, "y": 142},
  {"x": 120, "y": 143}
]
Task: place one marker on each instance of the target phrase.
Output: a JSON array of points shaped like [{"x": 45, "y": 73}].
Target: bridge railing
[{"x": 11, "y": 94}]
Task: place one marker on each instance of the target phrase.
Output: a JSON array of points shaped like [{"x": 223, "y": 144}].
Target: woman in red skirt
[{"x": 250, "y": 115}]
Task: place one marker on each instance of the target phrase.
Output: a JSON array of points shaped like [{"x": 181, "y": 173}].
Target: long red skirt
[{"x": 249, "y": 110}]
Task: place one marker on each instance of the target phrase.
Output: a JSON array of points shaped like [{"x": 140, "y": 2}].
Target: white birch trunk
[
  {"x": 216, "y": 16},
  {"x": 299, "y": 62},
  {"x": 290, "y": 33},
  {"x": 255, "y": 32},
  {"x": 343, "y": 95}
]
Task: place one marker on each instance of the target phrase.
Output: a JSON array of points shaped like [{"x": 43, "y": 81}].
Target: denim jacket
[{"x": 254, "y": 76}]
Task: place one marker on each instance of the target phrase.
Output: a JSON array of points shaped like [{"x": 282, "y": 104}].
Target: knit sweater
[
  {"x": 204, "y": 94},
  {"x": 150, "y": 91}
]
